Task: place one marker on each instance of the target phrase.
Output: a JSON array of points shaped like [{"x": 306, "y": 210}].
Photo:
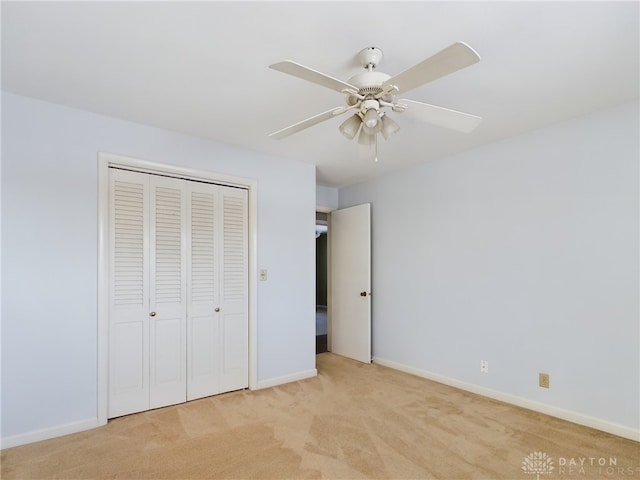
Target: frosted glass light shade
[
  {"x": 350, "y": 126},
  {"x": 389, "y": 127}
]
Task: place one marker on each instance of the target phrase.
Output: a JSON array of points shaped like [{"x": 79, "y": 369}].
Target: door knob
[
  {"x": 363, "y": 294},
  {"x": 152, "y": 314},
  {"x": 217, "y": 309}
]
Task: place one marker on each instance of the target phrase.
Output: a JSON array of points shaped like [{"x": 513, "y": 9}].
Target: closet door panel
[
  {"x": 203, "y": 365},
  {"x": 234, "y": 351},
  {"x": 128, "y": 293},
  {"x": 166, "y": 335},
  {"x": 129, "y": 370},
  {"x": 234, "y": 289},
  {"x": 167, "y": 291},
  {"x": 203, "y": 321}
]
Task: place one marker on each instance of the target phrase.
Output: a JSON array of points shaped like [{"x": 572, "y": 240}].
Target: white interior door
[
  {"x": 218, "y": 335},
  {"x": 203, "y": 322},
  {"x": 350, "y": 282},
  {"x": 234, "y": 293},
  {"x": 148, "y": 292},
  {"x": 128, "y": 293},
  {"x": 167, "y": 287}
]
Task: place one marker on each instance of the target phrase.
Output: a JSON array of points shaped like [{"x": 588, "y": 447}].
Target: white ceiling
[{"x": 201, "y": 68}]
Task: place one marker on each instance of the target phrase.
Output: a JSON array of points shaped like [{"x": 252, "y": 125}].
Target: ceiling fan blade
[
  {"x": 449, "y": 60},
  {"x": 306, "y": 73},
  {"x": 309, "y": 122},
  {"x": 442, "y": 117}
]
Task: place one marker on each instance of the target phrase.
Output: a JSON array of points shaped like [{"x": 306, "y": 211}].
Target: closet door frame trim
[{"x": 107, "y": 160}]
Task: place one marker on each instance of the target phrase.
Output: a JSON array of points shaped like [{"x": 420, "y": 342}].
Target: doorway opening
[{"x": 322, "y": 228}]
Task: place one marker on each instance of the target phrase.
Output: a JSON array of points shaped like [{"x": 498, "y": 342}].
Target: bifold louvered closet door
[{"x": 178, "y": 324}]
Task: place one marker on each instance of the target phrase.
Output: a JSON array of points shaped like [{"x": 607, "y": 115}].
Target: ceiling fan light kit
[
  {"x": 388, "y": 127},
  {"x": 349, "y": 128},
  {"x": 372, "y": 93},
  {"x": 371, "y": 114}
]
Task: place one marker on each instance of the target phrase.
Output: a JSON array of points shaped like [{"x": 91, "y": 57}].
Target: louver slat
[
  {"x": 168, "y": 243},
  {"x": 234, "y": 261},
  {"x": 128, "y": 282},
  {"x": 202, "y": 247}
]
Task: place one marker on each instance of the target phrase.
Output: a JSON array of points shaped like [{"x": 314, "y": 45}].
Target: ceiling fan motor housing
[{"x": 368, "y": 83}]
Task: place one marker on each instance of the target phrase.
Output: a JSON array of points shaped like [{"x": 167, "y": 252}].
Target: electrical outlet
[
  {"x": 543, "y": 380},
  {"x": 263, "y": 275},
  {"x": 484, "y": 366}
]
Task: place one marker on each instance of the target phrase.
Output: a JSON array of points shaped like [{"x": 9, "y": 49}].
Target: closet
[{"x": 178, "y": 295}]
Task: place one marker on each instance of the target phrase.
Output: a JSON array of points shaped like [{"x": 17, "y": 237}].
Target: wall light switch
[{"x": 263, "y": 275}]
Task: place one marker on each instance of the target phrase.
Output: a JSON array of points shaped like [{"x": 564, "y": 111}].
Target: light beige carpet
[{"x": 351, "y": 421}]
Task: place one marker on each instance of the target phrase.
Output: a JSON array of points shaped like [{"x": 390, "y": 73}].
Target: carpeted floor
[{"x": 351, "y": 421}]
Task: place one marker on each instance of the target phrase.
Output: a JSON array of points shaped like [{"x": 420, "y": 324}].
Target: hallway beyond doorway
[{"x": 321, "y": 329}]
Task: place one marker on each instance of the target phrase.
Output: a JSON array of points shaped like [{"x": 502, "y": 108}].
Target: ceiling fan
[{"x": 371, "y": 94}]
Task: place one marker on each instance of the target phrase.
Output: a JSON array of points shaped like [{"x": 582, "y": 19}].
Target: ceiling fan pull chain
[{"x": 376, "y": 147}]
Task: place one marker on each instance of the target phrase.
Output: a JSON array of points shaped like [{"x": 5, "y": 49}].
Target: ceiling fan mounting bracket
[{"x": 370, "y": 57}]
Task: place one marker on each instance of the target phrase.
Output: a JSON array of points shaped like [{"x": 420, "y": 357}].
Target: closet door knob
[
  {"x": 217, "y": 309},
  {"x": 152, "y": 314}
]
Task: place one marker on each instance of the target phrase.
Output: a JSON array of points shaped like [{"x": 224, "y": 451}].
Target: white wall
[
  {"x": 49, "y": 256},
  {"x": 326, "y": 198},
  {"x": 523, "y": 253}
]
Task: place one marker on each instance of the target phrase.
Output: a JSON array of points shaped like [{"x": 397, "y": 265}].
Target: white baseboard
[
  {"x": 574, "y": 417},
  {"x": 47, "y": 433},
  {"x": 294, "y": 377},
  {"x": 571, "y": 416},
  {"x": 80, "y": 426}
]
